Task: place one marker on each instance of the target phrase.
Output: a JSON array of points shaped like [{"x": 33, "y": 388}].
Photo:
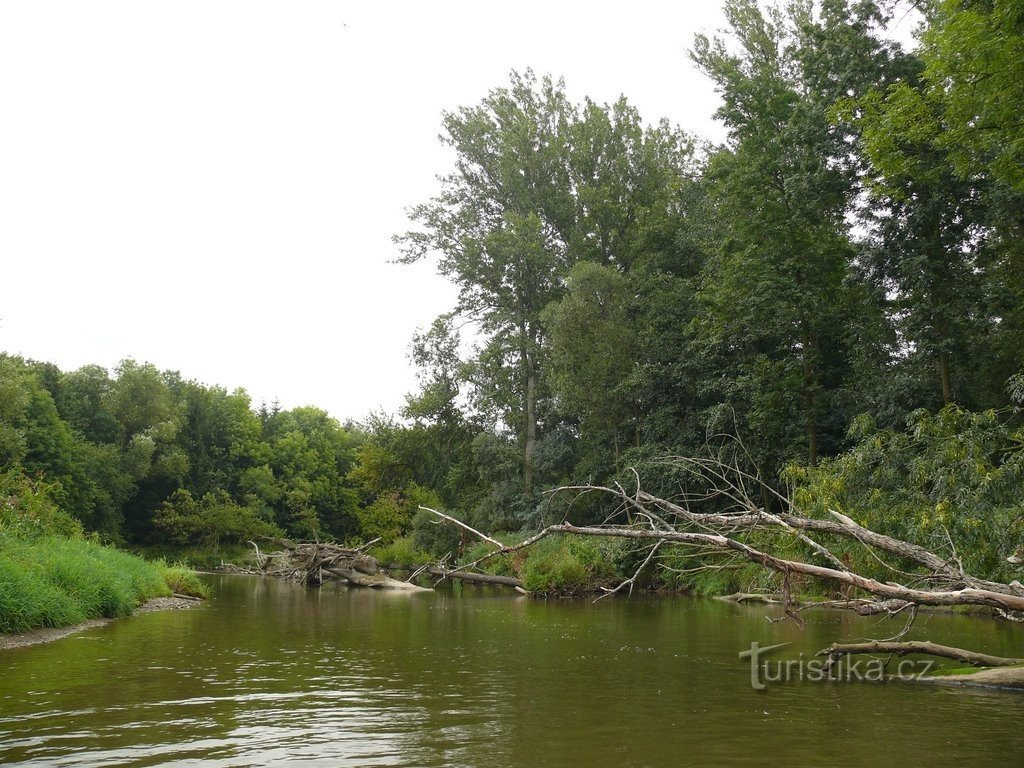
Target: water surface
[{"x": 270, "y": 674}]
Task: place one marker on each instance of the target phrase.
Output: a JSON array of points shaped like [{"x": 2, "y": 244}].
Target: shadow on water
[{"x": 269, "y": 673}]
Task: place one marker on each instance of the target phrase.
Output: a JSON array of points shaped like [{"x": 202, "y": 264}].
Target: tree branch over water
[{"x": 663, "y": 522}]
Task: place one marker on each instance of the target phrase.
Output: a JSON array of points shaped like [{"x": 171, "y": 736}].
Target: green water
[{"x": 271, "y": 674}]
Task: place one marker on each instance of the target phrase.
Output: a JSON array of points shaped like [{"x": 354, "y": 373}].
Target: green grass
[
  {"x": 401, "y": 551},
  {"x": 55, "y": 582},
  {"x": 569, "y": 565},
  {"x": 182, "y": 580}
]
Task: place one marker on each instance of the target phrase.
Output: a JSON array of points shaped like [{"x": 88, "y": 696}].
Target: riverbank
[
  {"x": 42, "y": 635},
  {"x": 50, "y": 582}
]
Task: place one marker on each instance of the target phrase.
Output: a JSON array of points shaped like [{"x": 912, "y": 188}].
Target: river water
[{"x": 271, "y": 674}]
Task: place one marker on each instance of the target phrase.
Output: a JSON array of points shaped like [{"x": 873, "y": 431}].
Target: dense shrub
[{"x": 569, "y": 565}]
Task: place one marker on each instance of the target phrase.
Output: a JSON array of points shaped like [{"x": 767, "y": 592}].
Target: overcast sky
[{"x": 213, "y": 186}]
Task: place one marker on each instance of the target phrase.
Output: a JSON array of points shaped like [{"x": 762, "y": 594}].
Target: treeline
[
  {"x": 144, "y": 456},
  {"x": 840, "y": 285},
  {"x": 848, "y": 261}
]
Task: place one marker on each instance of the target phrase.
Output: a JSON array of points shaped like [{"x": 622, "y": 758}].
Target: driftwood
[
  {"x": 376, "y": 580},
  {"x": 749, "y": 597},
  {"x": 313, "y": 563},
  {"x": 725, "y": 544},
  {"x": 448, "y": 573},
  {"x": 739, "y": 500},
  {"x": 837, "y": 650},
  {"x": 739, "y": 509}
]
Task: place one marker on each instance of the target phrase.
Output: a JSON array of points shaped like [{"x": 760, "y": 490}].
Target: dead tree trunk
[
  {"x": 448, "y": 573},
  {"x": 837, "y": 650}
]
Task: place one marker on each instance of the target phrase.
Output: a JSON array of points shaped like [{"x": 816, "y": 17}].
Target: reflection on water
[{"x": 272, "y": 674}]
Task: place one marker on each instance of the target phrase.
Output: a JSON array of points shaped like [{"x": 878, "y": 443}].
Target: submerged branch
[{"x": 837, "y": 650}]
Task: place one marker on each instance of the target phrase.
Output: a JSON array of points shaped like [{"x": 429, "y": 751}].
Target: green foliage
[
  {"x": 391, "y": 514},
  {"x": 974, "y": 68},
  {"x": 499, "y": 565},
  {"x": 385, "y": 518},
  {"x": 182, "y": 580},
  {"x": 53, "y": 582},
  {"x": 433, "y": 535},
  {"x": 953, "y": 477},
  {"x": 211, "y": 520},
  {"x": 593, "y": 349},
  {"x": 401, "y": 551},
  {"x": 569, "y": 565},
  {"x": 27, "y": 509}
]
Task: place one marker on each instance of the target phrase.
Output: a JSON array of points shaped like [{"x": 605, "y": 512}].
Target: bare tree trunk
[
  {"x": 836, "y": 650},
  {"x": 378, "y": 580},
  {"x": 714, "y": 541},
  {"x": 448, "y": 573},
  {"x": 529, "y": 423},
  {"x": 812, "y": 421},
  {"x": 945, "y": 378}
]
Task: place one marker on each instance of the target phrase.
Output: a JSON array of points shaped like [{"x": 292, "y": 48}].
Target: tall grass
[
  {"x": 54, "y": 582},
  {"x": 52, "y": 575}
]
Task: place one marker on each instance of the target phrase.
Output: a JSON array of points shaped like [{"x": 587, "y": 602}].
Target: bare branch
[
  {"x": 632, "y": 579},
  {"x": 461, "y": 524}
]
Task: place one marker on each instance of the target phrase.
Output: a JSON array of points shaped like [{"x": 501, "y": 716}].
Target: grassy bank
[
  {"x": 53, "y": 575},
  {"x": 56, "y": 582}
]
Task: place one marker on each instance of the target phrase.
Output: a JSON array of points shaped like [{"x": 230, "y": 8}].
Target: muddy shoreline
[{"x": 49, "y": 634}]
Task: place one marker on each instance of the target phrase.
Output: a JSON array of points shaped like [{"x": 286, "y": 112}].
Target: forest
[{"x": 837, "y": 289}]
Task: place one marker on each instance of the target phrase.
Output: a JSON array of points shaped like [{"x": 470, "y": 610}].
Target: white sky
[{"x": 212, "y": 186}]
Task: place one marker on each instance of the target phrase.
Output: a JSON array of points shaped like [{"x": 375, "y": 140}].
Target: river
[{"x": 270, "y": 674}]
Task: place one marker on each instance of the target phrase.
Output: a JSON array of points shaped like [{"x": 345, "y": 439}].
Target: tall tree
[
  {"x": 538, "y": 185},
  {"x": 778, "y": 288},
  {"x": 948, "y": 154},
  {"x": 500, "y": 225},
  {"x": 593, "y": 351},
  {"x": 928, "y": 229}
]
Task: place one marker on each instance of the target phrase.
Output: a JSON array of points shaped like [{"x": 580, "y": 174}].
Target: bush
[
  {"x": 392, "y": 514},
  {"x": 401, "y": 552},
  {"x": 569, "y": 565},
  {"x": 27, "y": 509},
  {"x": 182, "y": 580},
  {"x": 953, "y": 475}
]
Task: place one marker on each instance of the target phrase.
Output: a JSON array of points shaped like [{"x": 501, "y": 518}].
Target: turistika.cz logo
[{"x": 842, "y": 670}]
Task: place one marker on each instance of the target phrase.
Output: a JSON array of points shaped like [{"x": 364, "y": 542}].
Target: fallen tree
[
  {"x": 313, "y": 562},
  {"x": 837, "y": 650},
  {"x": 728, "y": 518}
]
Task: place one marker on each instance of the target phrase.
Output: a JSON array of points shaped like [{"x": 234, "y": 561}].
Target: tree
[
  {"x": 220, "y": 435},
  {"x": 212, "y": 520},
  {"x": 945, "y": 151},
  {"x": 539, "y": 185},
  {"x": 974, "y": 69},
  {"x": 310, "y": 456},
  {"x": 593, "y": 351},
  {"x": 778, "y": 291}
]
